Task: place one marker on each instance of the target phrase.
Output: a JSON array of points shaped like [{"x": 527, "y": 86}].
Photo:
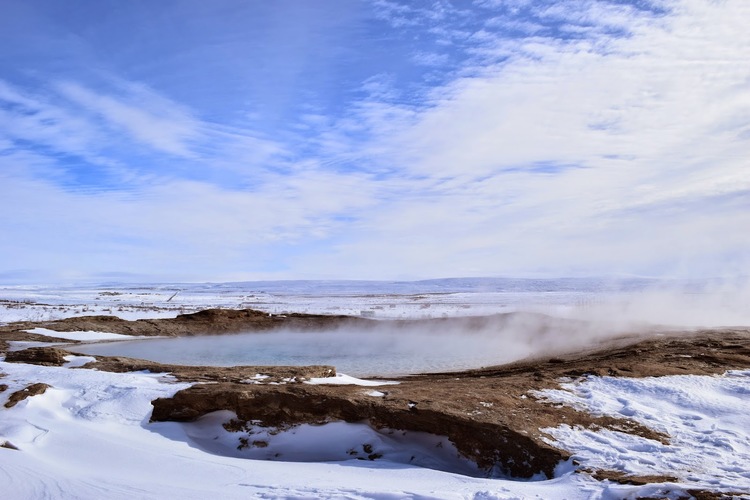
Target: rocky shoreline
[{"x": 490, "y": 414}]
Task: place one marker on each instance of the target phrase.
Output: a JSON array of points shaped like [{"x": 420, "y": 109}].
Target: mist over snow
[{"x": 373, "y": 140}]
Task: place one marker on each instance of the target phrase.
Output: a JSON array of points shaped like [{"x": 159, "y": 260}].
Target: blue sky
[{"x": 240, "y": 140}]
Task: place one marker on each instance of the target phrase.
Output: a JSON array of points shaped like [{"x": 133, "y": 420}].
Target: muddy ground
[{"x": 490, "y": 414}]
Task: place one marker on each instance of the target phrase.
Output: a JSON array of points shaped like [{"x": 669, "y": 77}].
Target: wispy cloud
[
  {"x": 144, "y": 116},
  {"x": 38, "y": 120}
]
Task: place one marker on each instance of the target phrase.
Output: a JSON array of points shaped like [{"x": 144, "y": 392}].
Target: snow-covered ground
[
  {"x": 378, "y": 300},
  {"x": 89, "y": 435}
]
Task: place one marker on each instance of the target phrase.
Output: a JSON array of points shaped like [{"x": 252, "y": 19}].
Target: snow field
[{"x": 372, "y": 299}]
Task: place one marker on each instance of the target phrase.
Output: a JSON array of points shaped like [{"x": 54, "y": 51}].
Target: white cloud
[
  {"x": 171, "y": 229},
  {"x": 145, "y": 116},
  {"x": 651, "y": 99},
  {"x": 656, "y": 122}
]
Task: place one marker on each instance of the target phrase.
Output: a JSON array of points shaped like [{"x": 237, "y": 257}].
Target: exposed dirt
[
  {"x": 32, "y": 390},
  {"x": 489, "y": 414}
]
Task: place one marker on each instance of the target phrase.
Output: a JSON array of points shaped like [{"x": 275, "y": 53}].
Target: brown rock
[
  {"x": 490, "y": 442},
  {"x": 32, "y": 390},
  {"x": 45, "y": 356}
]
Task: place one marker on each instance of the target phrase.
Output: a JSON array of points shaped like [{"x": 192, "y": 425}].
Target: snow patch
[
  {"x": 706, "y": 417},
  {"x": 255, "y": 379},
  {"x": 83, "y": 336},
  {"x": 342, "y": 379},
  {"x": 77, "y": 361}
]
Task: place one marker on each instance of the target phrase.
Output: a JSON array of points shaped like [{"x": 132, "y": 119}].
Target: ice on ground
[
  {"x": 343, "y": 379},
  {"x": 706, "y": 417}
]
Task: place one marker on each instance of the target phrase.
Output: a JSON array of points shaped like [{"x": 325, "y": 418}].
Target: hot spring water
[{"x": 358, "y": 353}]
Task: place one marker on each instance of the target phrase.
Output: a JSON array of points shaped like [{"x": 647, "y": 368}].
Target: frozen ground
[{"x": 89, "y": 435}]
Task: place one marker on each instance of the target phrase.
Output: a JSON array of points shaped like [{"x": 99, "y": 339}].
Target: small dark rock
[{"x": 8, "y": 444}]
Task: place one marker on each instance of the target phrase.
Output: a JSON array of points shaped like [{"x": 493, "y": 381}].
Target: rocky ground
[{"x": 490, "y": 414}]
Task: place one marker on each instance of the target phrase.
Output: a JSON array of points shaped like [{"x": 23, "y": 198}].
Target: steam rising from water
[{"x": 407, "y": 347}]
